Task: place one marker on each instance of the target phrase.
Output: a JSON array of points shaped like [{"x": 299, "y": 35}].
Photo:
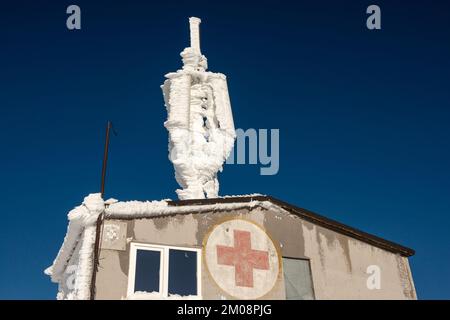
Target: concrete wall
[{"x": 338, "y": 263}]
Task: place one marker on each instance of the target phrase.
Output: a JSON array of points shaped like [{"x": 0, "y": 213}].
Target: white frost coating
[
  {"x": 143, "y": 295},
  {"x": 77, "y": 250},
  {"x": 137, "y": 209},
  {"x": 194, "y": 26},
  {"x": 245, "y": 195},
  {"x": 85, "y": 264},
  {"x": 199, "y": 121}
]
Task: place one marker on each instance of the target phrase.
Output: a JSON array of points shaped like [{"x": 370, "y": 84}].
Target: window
[
  {"x": 164, "y": 271},
  {"x": 182, "y": 272},
  {"x": 148, "y": 266},
  {"x": 297, "y": 279}
]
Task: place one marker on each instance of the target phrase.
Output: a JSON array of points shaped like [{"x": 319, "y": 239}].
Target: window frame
[
  {"x": 308, "y": 260},
  {"x": 164, "y": 267}
]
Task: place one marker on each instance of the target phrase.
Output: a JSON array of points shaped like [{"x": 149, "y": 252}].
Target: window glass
[
  {"x": 182, "y": 272},
  {"x": 297, "y": 279},
  {"x": 147, "y": 270}
]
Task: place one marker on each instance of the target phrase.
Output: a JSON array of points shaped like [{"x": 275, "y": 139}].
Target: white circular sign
[{"x": 242, "y": 259}]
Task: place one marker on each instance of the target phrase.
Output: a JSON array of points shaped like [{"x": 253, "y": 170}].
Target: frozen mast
[{"x": 199, "y": 121}]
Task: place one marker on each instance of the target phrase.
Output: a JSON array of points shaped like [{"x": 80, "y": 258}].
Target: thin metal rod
[{"x": 105, "y": 157}]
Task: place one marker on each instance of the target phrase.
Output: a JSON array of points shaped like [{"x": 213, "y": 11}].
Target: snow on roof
[{"x": 142, "y": 209}]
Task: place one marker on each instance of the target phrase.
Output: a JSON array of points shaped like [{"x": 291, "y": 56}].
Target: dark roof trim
[{"x": 311, "y": 217}]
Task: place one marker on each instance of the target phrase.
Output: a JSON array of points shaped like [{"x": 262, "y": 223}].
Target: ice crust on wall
[
  {"x": 199, "y": 122},
  {"x": 72, "y": 269}
]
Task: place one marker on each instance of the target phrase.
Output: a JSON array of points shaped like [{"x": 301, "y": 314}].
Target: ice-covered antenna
[
  {"x": 194, "y": 25},
  {"x": 197, "y": 101}
]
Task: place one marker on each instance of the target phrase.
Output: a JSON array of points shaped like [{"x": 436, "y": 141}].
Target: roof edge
[{"x": 308, "y": 216}]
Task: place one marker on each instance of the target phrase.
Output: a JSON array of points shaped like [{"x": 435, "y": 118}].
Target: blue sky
[{"x": 363, "y": 116}]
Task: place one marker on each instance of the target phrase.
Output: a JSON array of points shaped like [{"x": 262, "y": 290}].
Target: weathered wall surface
[{"x": 338, "y": 263}]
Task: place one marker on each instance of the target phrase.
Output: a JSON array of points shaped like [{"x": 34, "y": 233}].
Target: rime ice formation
[
  {"x": 72, "y": 268},
  {"x": 199, "y": 121}
]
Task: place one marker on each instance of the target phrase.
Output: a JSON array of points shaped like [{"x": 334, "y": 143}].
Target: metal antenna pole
[
  {"x": 105, "y": 157},
  {"x": 99, "y": 224}
]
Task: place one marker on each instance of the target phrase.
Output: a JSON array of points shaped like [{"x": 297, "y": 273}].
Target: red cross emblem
[{"x": 243, "y": 258}]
